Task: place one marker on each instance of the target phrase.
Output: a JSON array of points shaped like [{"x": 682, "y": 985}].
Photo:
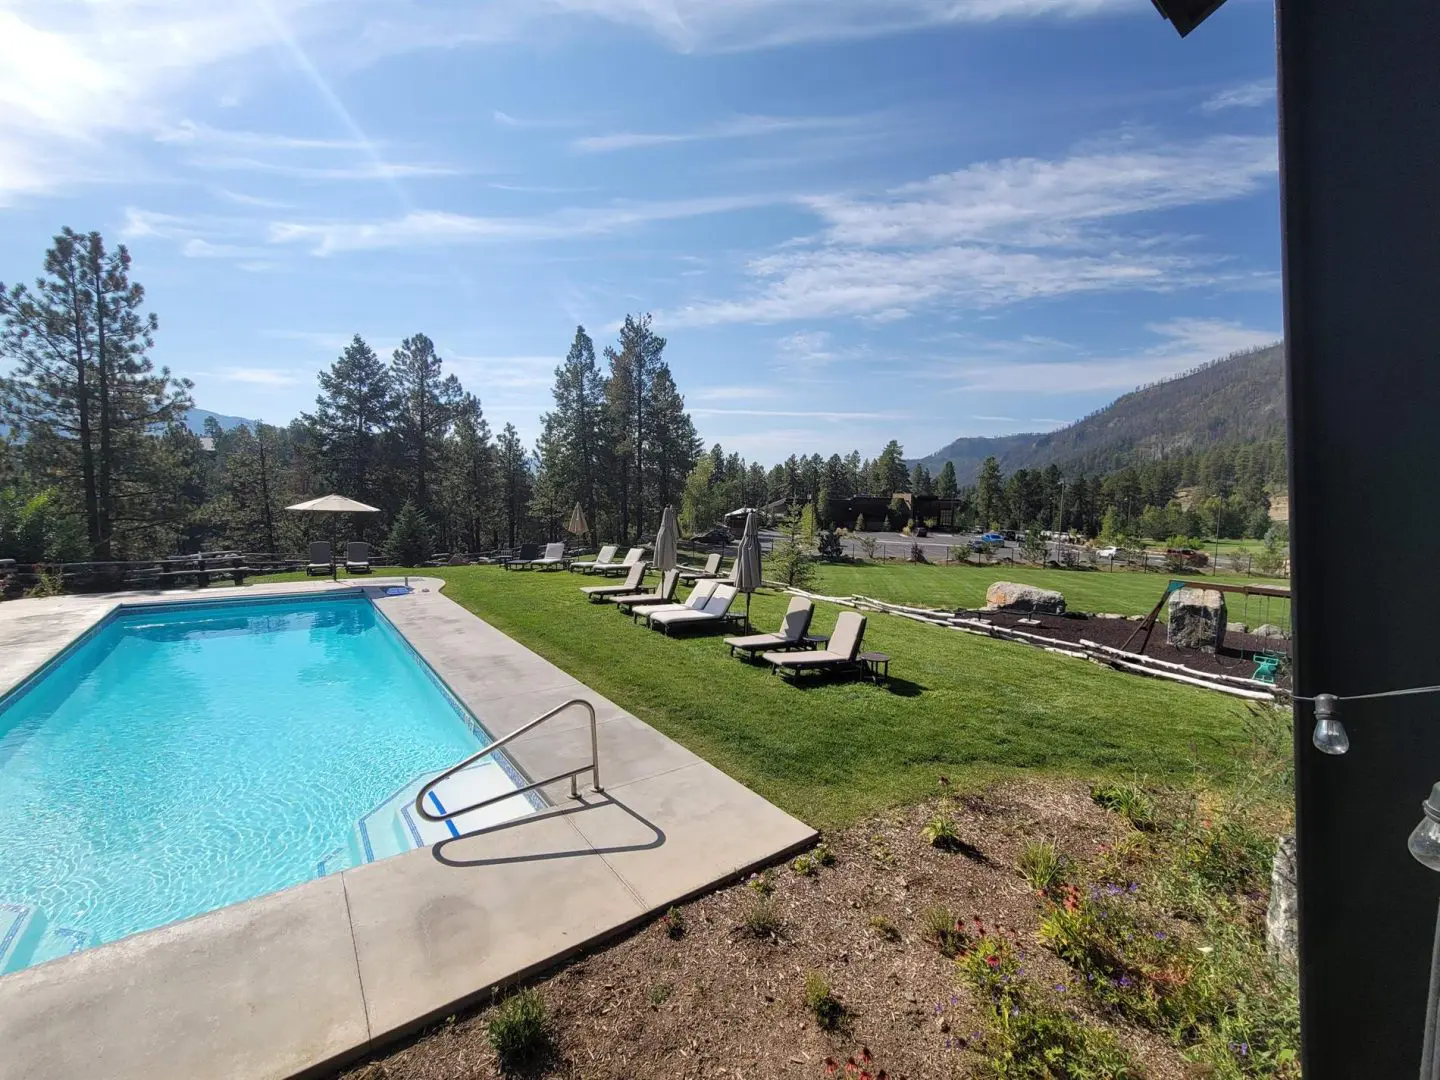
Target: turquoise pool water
[{"x": 191, "y": 756}]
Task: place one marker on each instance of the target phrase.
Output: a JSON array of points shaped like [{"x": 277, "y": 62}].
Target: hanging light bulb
[
  {"x": 1424, "y": 842},
  {"x": 1329, "y": 736}
]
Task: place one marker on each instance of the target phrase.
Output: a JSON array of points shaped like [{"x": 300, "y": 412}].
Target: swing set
[{"x": 1267, "y": 664}]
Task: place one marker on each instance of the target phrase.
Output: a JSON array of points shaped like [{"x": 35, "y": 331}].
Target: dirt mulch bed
[
  {"x": 1234, "y": 658},
  {"x": 720, "y": 1002}
]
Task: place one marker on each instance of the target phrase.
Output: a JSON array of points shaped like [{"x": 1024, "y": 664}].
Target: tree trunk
[
  {"x": 107, "y": 453},
  {"x": 82, "y": 407}
]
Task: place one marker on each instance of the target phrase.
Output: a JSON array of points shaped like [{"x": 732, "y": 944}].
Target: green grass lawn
[
  {"x": 830, "y": 752},
  {"x": 1128, "y": 592}
]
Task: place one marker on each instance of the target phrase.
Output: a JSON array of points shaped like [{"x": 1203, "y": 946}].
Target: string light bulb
[
  {"x": 1329, "y": 736},
  {"x": 1424, "y": 842}
]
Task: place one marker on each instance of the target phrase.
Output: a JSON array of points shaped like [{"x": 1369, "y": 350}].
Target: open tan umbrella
[{"x": 333, "y": 505}]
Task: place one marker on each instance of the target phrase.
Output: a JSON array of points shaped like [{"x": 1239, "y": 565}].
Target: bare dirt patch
[{"x": 722, "y": 1001}]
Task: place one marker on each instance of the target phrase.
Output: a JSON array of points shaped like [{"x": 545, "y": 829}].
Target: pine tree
[
  {"x": 990, "y": 494},
  {"x": 83, "y": 393},
  {"x": 946, "y": 486},
  {"x": 572, "y": 439},
  {"x": 353, "y": 408},
  {"x": 410, "y": 536},
  {"x": 426, "y": 402},
  {"x": 634, "y": 367},
  {"x": 515, "y": 481},
  {"x": 672, "y": 445}
]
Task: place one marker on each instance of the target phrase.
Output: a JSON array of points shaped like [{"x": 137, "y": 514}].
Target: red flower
[
  {"x": 993, "y": 961},
  {"x": 831, "y": 1067},
  {"x": 865, "y": 1055}
]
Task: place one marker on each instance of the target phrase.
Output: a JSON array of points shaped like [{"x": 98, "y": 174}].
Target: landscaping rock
[
  {"x": 1283, "y": 917},
  {"x": 1269, "y": 630},
  {"x": 1008, "y": 596},
  {"x": 1197, "y": 619},
  {"x": 1107, "y": 615},
  {"x": 1237, "y": 627}
]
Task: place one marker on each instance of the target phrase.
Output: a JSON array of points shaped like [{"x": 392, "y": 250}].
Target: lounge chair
[
  {"x": 663, "y": 593},
  {"x": 604, "y": 559},
  {"x": 715, "y": 611},
  {"x": 793, "y": 628},
  {"x": 633, "y": 556},
  {"x": 842, "y": 655},
  {"x": 322, "y": 558},
  {"x": 357, "y": 557},
  {"x": 523, "y": 559},
  {"x": 630, "y": 585},
  {"x": 553, "y": 559},
  {"x": 702, "y": 592},
  {"x": 690, "y": 574}
]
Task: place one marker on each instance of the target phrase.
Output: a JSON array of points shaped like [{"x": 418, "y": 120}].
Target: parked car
[
  {"x": 1107, "y": 552},
  {"x": 716, "y": 535},
  {"x": 993, "y": 538},
  {"x": 921, "y": 530}
]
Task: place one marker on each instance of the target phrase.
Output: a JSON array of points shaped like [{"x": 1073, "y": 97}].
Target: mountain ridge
[{"x": 1234, "y": 399}]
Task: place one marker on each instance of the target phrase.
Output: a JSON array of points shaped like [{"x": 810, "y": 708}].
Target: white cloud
[
  {"x": 1187, "y": 343},
  {"x": 190, "y": 133},
  {"x": 435, "y": 228},
  {"x": 1245, "y": 96},
  {"x": 1002, "y": 232},
  {"x": 741, "y": 127},
  {"x": 813, "y": 414},
  {"x": 258, "y": 376},
  {"x": 730, "y": 393},
  {"x": 359, "y": 170},
  {"x": 252, "y": 200}
]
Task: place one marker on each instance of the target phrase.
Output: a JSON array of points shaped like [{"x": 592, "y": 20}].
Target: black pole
[{"x": 1360, "y": 173}]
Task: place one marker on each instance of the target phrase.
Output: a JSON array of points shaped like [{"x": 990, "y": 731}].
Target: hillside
[
  {"x": 1239, "y": 398},
  {"x": 195, "y": 420}
]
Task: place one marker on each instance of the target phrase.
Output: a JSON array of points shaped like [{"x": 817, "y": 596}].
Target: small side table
[
  {"x": 877, "y": 665},
  {"x": 816, "y": 641}
]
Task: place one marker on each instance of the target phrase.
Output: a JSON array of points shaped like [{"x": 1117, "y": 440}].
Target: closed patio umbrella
[
  {"x": 666, "y": 541},
  {"x": 747, "y": 561},
  {"x": 332, "y": 505},
  {"x": 577, "y": 525}
]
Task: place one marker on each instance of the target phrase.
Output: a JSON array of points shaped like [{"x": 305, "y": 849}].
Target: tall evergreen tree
[
  {"x": 353, "y": 408},
  {"x": 573, "y": 438},
  {"x": 990, "y": 494},
  {"x": 426, "y": 401},
  {"x": 82, "y": 389},
  {"x": 515, "y": 482},
  {"x": 946, "y": 486},
  {"x": 634, "y": 367},
  {"x": 468, "y": 481},
  {"x": 672, "y": 445}
]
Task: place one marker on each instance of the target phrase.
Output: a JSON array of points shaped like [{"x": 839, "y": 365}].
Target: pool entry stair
[
  {"x": 27, "y": 937},
  {"x": 393, "y": 827}
]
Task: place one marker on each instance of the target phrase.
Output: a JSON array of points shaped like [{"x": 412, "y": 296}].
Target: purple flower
[
  {"x": 1015, "y": 1011},
  {"x": 1060, "y": 987},
  {"x": 1159, "y": 935},
  {"x": 1133, "y": 887}
]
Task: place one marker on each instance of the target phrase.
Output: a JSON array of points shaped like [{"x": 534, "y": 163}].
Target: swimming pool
[{"x": 185, "y": 756}]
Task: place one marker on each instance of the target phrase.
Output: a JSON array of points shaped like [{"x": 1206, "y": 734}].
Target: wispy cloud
[
  {"x": 730, "y": 393},
  {"x": 433, "y": 228},
  {"x": 1002, "y": 232},
  {"x": 258, "y": 376},
  {"x": 190, "y": 133},
  {"x": 996, "y": 419},
  {"x": 1185, "y": 343},
  {"x": 1245, "y": 96},
  {"x": 813, "y": 414},
  {"x": 359, "y": 170},
  {"x": 740, "y": 127},
  {"x": 244, "y": 199}
]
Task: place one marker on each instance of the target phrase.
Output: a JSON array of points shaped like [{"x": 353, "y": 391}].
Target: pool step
[
  {"x": 27, "y": 938},
  {"x": 394, "y": 827}
]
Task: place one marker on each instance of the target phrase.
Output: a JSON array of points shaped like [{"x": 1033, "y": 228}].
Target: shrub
[
  {"x": 1030, "y": 1036},
  {"x": 917, "y": 554},
  {"x": 831, "y": 549},
  {"x": 899, "y": 513},
  {"x": 674, "y": 923},
  {"x": 868, "y": 544},
  {"x": 520, "y": 1030},
  {"x": 659, "y": 994},
  {"x": 762, "y": 920},
  {"x": 763, "y": 882},
  {"x": 409, "y": 540},
  {"x": 939, "y": 832},
  {"x": 859, "y": 523},
  {"x": 884, "y": 928},
  {"x": 1043, "y": 866},
  {"x": 805, "y": 866},
  {"x": 1032, "y": 546},
  {"x": 822, "y": 1003},
  {"x": 47, "y": 583},
  {"x": 1128, "y": 800},
  {"x": 943, "y": 929},
  {"x": 823, "y": 855},
  {"x": 792, "y": 564}
]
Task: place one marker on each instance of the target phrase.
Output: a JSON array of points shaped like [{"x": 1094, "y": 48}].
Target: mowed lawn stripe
[{"x": 831, "y": 752}]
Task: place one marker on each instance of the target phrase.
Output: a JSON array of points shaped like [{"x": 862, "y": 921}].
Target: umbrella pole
[{"x": 748, "y": 627}]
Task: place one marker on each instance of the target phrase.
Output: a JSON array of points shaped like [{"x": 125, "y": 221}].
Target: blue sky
[{"x": 855, "y": 220}]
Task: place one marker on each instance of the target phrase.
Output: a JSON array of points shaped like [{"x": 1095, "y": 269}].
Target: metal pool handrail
[{"x": 593, "y": 768}]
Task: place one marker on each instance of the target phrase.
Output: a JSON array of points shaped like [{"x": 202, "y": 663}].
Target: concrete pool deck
[{"x": 298, "y": 981}]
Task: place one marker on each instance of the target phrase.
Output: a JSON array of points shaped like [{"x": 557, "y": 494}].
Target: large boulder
[
  {"x": 1269, "y": 630},
  {"x": 1008, "y": 596},
  {"x": 1197, "y": 618},
  {"x": 1282, "y": 919}
]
